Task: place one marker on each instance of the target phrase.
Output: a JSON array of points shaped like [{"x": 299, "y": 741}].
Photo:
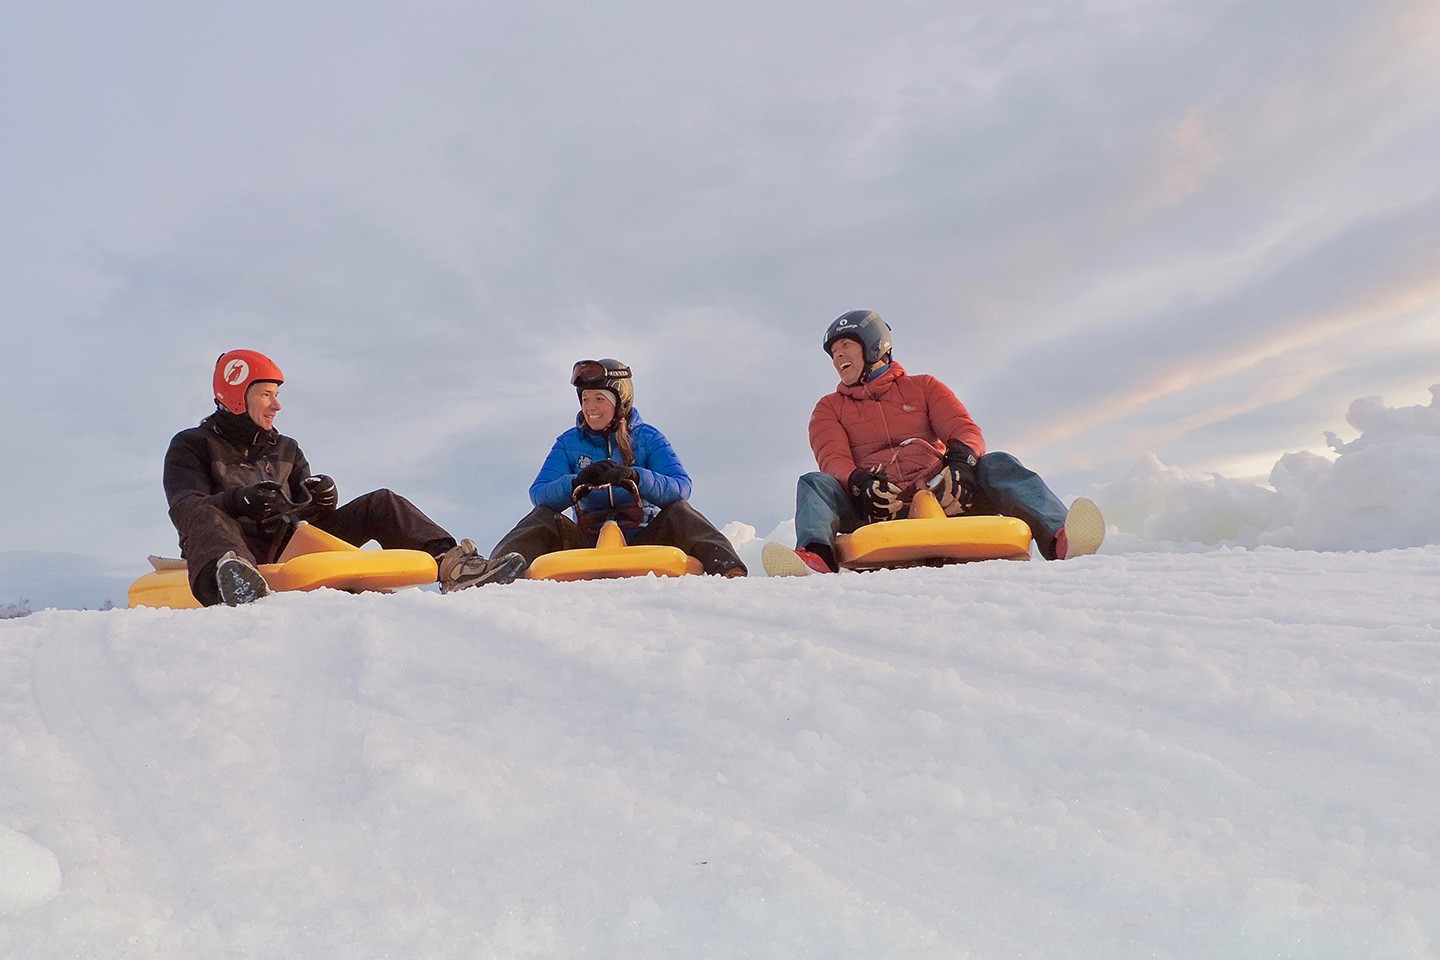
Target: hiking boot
[
  {"x": 238, "y": 581},
  {"x": 780, "y": 561},
  {"x": 1083, "y": 532},
  {"x": 462, "y": 566}
]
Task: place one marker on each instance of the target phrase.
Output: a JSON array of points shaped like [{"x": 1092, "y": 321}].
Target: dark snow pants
[
  {"x": 382, "y": 515},
  {"x": 680, "y": 525}
]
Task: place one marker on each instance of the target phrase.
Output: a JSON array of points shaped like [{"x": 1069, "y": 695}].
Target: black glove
[
  {"x": 618, "y": 473},
  {"x": 601, "y": 472},
  {"x": 879, "y": 499},
  {"x": 260, "y": 502},
  {"x": 323, "y": 495},
  {"x": 955, "y": 486},
  {"x": 589, "y": 475}
]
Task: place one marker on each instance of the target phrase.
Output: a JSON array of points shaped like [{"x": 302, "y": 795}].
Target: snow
[{"x": 1226, "y": 753}]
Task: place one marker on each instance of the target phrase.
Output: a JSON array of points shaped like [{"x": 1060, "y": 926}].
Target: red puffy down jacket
[{"x": 869, "y": 424}]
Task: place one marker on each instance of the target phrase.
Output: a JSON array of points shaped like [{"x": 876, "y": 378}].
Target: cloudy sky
[{"x": 1197, "y": 230}]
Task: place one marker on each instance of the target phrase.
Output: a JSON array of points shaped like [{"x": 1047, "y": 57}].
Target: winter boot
[
  {"x": 238, "y": 581},
  {"x": 781, "y": 561},
  {"x": 1083, "y": 532},
  {"x": 462, "y": 566}
]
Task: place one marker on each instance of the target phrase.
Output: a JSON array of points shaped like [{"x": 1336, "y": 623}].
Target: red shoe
[{"x": 781, "y": 561}]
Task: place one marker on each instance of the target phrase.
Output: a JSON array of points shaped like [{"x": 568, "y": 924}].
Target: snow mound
[
  {"x": 1211, "y": 755},
  {"x": 29, "y": 873}
]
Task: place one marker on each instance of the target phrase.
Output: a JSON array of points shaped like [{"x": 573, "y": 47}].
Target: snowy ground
[{"x": 1221, "y": 754}]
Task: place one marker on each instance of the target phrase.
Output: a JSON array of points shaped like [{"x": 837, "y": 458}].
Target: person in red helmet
[
  {"x": 235, "y": 486},
  {"x": 884, "y": 434}
]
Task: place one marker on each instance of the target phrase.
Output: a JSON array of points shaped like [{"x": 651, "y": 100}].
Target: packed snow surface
[{"x": 1218, "y": 754}]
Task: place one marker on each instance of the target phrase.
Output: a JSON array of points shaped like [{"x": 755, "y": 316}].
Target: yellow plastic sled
[
  {"x": 611, "y": 558},
  {"x": 312, "y": 559},
  {"x": 928, "y": 536}
]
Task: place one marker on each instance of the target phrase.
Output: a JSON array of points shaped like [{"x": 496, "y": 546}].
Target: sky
[
  {"x": 1165, "y": 755},
  {"x": 1184, "y": 234}
]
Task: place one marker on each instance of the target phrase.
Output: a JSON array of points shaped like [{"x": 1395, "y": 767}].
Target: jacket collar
[
  {"x": 240, "y": 431},
  {"x": 872, "y": 388}
]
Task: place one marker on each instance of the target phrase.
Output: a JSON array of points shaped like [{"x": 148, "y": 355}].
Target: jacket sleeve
[
  {"x": 949, "y": 417},
  {"x": 660, "y": 476},
  {"x": 553, "y": 484},
  {"x": 187, "y": 478},
  {"x": 829, "y": 440}
]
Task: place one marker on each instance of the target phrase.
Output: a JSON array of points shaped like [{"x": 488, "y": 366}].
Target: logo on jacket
[
  {"x": 236, "y": 371},
  {"x": 583, "y": 462}
]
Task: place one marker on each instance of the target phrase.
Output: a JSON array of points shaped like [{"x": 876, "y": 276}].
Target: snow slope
[{"x": 1222, "y": 754}]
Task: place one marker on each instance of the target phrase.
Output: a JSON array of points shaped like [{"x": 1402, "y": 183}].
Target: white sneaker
[
  {"x": 780, "y": 561},
  {"x": 1083, "y": 532}
]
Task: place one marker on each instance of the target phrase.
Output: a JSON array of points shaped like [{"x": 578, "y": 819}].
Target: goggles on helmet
[{"x": 592, "y": 374}]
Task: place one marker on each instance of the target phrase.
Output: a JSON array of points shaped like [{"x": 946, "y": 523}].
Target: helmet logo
[{"x": 235, "y": 372}]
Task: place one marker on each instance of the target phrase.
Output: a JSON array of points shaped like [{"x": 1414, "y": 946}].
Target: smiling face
[
  {"x": 598, "y": 407},
  {"x": 262, "y": 402},
  {"x": 849, "y": 359}
]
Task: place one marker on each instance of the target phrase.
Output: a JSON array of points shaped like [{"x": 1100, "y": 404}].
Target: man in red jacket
[
  {"x": 236, "y": 485},
  {"x": 883, "y": 434}
]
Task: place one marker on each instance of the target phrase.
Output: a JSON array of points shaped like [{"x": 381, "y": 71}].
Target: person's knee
[{"x": 820, "y": 483}]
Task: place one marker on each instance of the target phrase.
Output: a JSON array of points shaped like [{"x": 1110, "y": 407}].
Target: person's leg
[
  {"x": 1015, "y": 491},
  {"x": 823, "y": 508},
  {"x": 542, "y": 531},
  {"x": 207, "y": 534},
  {"x": 681, "y": 525},
  {"x": 390, "y": 520}
]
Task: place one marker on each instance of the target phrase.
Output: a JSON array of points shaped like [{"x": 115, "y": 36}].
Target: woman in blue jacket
[{"x": 609, "y": 447}]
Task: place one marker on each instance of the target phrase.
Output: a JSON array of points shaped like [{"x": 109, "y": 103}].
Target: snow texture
[{"x": 1218, "y": 754}]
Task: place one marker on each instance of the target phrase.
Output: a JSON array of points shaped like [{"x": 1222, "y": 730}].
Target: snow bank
[
  {"x": 1381, "y": 491},
  {"x": 1224, "y": 754}
]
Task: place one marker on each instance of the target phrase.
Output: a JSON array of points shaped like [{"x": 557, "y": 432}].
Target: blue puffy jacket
[{"x": 661, "y": 478}]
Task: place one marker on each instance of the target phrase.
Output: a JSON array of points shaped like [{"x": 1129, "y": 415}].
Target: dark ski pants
[
  {"x": 382, "y": 515},
  {"x": 823, "y": 507},
  {"x": 680, "y": 525}
]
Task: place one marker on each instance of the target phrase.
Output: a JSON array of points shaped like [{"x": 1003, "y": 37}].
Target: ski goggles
[{"x": 587, "y": 372}]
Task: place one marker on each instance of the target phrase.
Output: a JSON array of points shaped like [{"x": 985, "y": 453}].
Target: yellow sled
[
  {"x": 929, "y": 536},
  {"x": 611, "y": 558},
  {"x": 312, "y": 559}
]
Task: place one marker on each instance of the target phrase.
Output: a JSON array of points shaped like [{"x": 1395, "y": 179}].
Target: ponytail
[{"x": 622, "y": 440}]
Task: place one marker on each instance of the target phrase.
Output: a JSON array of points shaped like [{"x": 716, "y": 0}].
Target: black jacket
[{"x": 225, "y": 452}]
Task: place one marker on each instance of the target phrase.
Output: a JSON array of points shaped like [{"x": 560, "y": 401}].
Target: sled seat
[
  {"x": 612, "y": 558},
  {"x": 311, "y": 560},
  {"x": 928, "y": 536}
]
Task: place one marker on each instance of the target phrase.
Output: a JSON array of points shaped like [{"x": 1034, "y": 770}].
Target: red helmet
[{"x": 236, "y": 370}]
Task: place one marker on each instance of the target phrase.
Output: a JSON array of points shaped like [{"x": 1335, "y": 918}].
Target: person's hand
[
  {"x": 955, "y": 486},
  {"x": 591, "y": 474},
  {"x": 260, "y": 502},
  {"x": 617, "y": 473},
  {"x": 324, "y": 497},
  {"x": 879, "y": 498}
]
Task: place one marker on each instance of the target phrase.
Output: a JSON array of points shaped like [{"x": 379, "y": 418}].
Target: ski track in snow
[{"x": 1222, "y": 754}]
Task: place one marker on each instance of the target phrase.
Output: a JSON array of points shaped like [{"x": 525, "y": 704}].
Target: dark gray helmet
[
  {"x": 864, "y": 327},
  {"x": 607, "y": 374}
]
